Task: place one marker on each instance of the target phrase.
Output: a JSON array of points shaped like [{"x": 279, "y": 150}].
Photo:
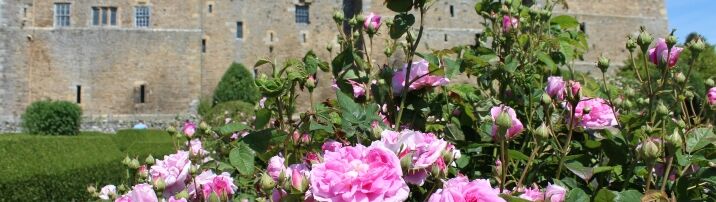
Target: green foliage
[
  {"x": 52, "y": 118},
  {"x": 236, "y": 84},
  {"x": 58, "y": 168},
  {"x": 204, "y": 107},
  {"x": 238, "y": 111}
]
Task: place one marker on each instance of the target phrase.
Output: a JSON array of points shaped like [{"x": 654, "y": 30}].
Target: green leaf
[
  {"x": 342, "y": 61},
  {"x": 262, "y": 62},
  {"x": 242, "y": 157},
  {"x": 400, "y": 5},
  {"x": 629, "y": 195},
  {"x": 565, "y": 21},
  {"x": 452, "y": 68},
  {"x": 514, "y": 154},
  {"x": 586, "y": 173},
  {"x": 605, "y": 195},
  {"x": 546, "y": 59},
  {"x": 401, "y": 24},
  {"x": 576, "y": 194},
  {"x": 262, "y": 118},
  {"x": 232, "y": 128},
  {"x": 258, "y": 140},
  {"x": 699, "y": 138}
]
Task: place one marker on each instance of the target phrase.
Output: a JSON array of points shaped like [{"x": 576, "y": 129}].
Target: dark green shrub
[
  {"x": 52, "y": 118},
  {"x": 236, "y": 110},
  {"x": 236, "y": 84},
  {"x": 140, "y": 143},
  {"x": 204, "y": 106}
]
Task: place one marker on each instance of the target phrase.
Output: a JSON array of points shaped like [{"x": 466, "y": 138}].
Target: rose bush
[{"x": 527, "y": 128}]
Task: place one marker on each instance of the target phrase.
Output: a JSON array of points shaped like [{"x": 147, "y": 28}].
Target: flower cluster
[
  {"x": 424, "y": 151},
  {"x": 419, "y": 76}
]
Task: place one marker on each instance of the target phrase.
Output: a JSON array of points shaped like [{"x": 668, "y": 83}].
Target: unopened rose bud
[
  {"x": 709, "y": 82},
  {"x": 126, "y": 161},
  {"x": 644, "y": 39},
  {"x": 679, "y": 77},
  {"x": 122, "y": 188},
  {"x": 171, "y": 130},
  {"x": 681, "y": 123},
  {"x": 184, "y": 194},
  {"x": 674, "y": 139},
  {"x": 388, "y": 51},
  {"x": 160, "y": 184},
  {"x": 134, "y": 164},
  {"x": 671, "y": 41},
  {"x": 338, "y": 17},
  {"x": 650, "y": 150},
  {"x": 689, "y": 94},
  {"x": 628, "y": 104},
  {"x": 697, "y": 45},
  {"x": 631, "y": 44},
  {"x": 542, "y": 132},
  {"x": 282, "y": 176},
  {"x": 214, "y": 197},
  {"x": 629, "y": 92},
  {"x": 603, "y": 64},
  {"x": 435, "y": 171},
  {"x": 504, "y": 121},
  {"x": 662, "y": 109},
  {"x": 267, "y": 182},
  {"x": 91, "y": 189},
  {"x": 203, "y": 126},
  {"x": 360, "y": 18},
  {"x": 546, "y": 99},
  {"x": 353, "y": 22},
  {"x": 149, "y": 160},
  {"x": 377, "y": 131},
  {"x": 406, "y": 162},
  {"x": 194, "y": 169}
]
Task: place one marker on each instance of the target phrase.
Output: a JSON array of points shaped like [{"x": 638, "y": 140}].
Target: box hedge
[
  {"x": 59, "y": 168},
  {"x": 52, "y": 118}
]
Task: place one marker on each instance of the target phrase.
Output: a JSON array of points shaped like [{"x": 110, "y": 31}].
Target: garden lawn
[{"x": 59, "y": 168}]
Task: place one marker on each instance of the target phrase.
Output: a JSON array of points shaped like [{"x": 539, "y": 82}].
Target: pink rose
[
  {"x": 107, "y": 192},
  {"x": 358, "y": 88},
  {"x": 262, "y": 102},
  {"x": 555, "y": 88},
  {"x": 173, "y": 170},
  {"x": 532, "y": 194},
  {"x": 576, "y": 87},
  {"x": 276, "y": 166},
  {"x": 189, "y": 128},
  {"x": 278, "y": 194},
  {"x": 600, "y": 114},
  {"x": 509, "y": 23},
  {"x": 711, "y": 96},
  {"x": 331, "y": 145},
  {"x": 426, "y": 150},
  {"x": 555, "y": 193},
  {"x": 659, "y": 53},
  {"x": 372, "y": 22},
  {"x": 517, "y": 126},
  {"x": 461, "y": 189},
  {"x": 311, "y": 158},
  {"x": 142, "y": 193},
  {"x": 299, "y": 176},
  {"x": 196, "y": 148},
  {"x": 221, "y": 185},
  {"x": 421, "y": 70},
  {"x": 172, "y": 199},
  {"x": 123, "y": 198},
  {"x": 359, "y": 174}
]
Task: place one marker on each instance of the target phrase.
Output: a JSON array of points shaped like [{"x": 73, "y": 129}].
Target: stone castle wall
[{"x": 190, "y": 43}]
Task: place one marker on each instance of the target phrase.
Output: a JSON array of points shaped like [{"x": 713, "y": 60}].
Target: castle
[{"x": 154, "y": 59}]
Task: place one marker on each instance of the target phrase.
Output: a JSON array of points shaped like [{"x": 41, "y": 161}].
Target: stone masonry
[{"x": 121, "y": 73}]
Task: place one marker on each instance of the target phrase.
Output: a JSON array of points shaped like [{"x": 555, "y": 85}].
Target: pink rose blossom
[
  {"x": 358, "y": 88},
  {"x": 576, "y": 87},
  {"x": 711, "y": 96},
  {"x": 331, "y": 145},
  {"x": 107, "y": 191},
  {"x": 196, "y": 148},
  {"x": 123, "y": 198},
  {"x": 509, "y": 23},
  {"x": 532, "y": 194},
  {"x": 299, "y": 174},
  {"x": 173, "y": 170},
  {"x": 276, "y": 166},
  {"x": 142, "y": 193},
  {"x": 189, "y": 128},
  {"x": 659, "y": 53},
  {"x": 555, "y": 193},
  {"x": 461, "y": 189},
  {"x": 372, "y": 22},
  {"x": 517, "y": 126},
  {"x": 426, "y": 150},
  {"x": 221, "y": 185},
  {"x": 172, "y": 199},
  {"x": 278, "y": 194},
  {"x": 359, "y": 174},
  {"x": 600, "y": 114},
  {"x": 262, "y": 102},
  {"x": 311, "y": 158},
  {"x": 555, "y": 88},
  {"x": 418, "y": 69}
]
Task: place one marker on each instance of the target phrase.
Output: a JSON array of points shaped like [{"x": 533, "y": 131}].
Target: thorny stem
[
  {"x": 636, "y": 69},
  {"x": 527, "y": 167},
  {"x": 569, "y": 142},
  {"x": 503, "y": 165},
  {"x": 648, "y": 177},
  {"x": 669, "y": 163},
  {"x": 411, "y": 54},
  {"x": 609, "y": 96}
]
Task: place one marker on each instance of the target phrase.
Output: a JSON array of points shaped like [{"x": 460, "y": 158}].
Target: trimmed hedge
[
  {"x": 236, "y": 84},
  {"x": 59, "y": 168},
  {"x": 52, "y": 118},
  {"x": 236, "y": 110}
]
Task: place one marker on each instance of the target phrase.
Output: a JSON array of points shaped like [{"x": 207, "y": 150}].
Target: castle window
[
  {"x": 142, "y": 93},
  {"x": 78, "y": 98},
  {"x": 452, "y": 11},
  {"x": 239, "y": 30},
  {"x": 583, "y": 27},
  {"x": 103, "y": 16},
  {"x": 141, "y": 16},
  {"x": 445, "y": 37},
  {"x": 302, "y": 14},
  {"x": 62, "y": 14},
  {"x": 303, "y": 37},
  {"x": 270, "y": 36},
  {"x": 211, "y": 8},
  {"x": 203, "y": 45}
]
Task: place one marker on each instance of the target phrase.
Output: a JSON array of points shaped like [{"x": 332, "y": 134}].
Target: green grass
[{"x": 59, "y": 168}]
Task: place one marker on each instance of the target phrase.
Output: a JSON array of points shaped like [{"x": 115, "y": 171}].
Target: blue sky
[{"x": 688, "y": 16}]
